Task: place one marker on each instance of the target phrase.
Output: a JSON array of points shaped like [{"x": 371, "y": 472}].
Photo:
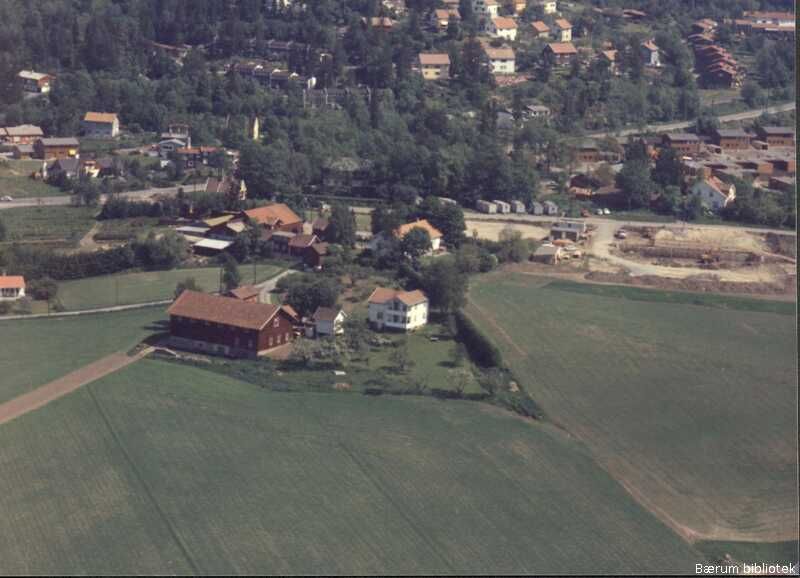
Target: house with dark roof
[
  {"x": 683, "y": 142},
  {"x": 328, "y": 321},
  {"x": 732, "y": 139},
  {"x": 56, "y": 148},
  {"x": 227, "y": 326},
  {"x": 776, "y": 136},
  {"x": 300, "y": 243},
  {"x": 315, "y": 255},
  {"x": 397, "y": 310}
]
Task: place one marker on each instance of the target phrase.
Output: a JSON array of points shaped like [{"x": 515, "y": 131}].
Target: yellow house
[{"x": 434, "y": 65}]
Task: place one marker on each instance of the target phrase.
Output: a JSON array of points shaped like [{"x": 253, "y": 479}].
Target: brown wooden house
[
  {"x": 228, "y": 326},
  {"x": 684, "y": 143},
  {"x": 776, "y": 136},
  {"x": 314, "y": 256},
  {"x": 733, "y": 139}
]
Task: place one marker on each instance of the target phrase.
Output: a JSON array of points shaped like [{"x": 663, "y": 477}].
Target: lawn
[
  {"x": 37, "y": 351},
  {"x": 430, "y": 349},
  {"x": 15, "y": 180},
  {"x": 691, "y": 405},
  {"x": 143, "y": 287},
  {"x": 363, "y": 220},
  {"x": 167, "y": 469},
  {"x": 63, "y": 225}
]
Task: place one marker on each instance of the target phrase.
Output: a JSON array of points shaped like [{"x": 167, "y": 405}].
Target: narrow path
[{"x": 62, "y": 386}]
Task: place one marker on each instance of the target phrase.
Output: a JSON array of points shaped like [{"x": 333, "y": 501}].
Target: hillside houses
[
  {"x": 503, "y": 27},
  {"x": 35, "y": 82},
  {"x": 22, "y": 134},
  {"x": 560, "y": 53},
  {"x": 502, "y": 60},
  {"x": 716, "y": 65},
  {"x": 434, "y": 65},
  {"x": 100, "y": 124}
]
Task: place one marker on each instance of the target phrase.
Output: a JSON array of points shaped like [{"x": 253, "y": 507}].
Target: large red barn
[{"x": 228, "y": 326}]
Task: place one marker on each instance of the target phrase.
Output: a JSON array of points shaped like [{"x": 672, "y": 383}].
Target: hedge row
[{"x": 482, "y": 351}]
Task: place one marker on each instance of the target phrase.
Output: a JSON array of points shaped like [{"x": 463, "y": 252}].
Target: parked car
[
  {"x": 6, "y": 199},
  {"x": 606, "y": 212},
  {"x": 599, "y": 212}
]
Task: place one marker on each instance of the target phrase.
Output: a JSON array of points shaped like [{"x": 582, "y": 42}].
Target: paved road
[
  {"x": 672, "y": 126},
  {"x": 62, "y": 200}
]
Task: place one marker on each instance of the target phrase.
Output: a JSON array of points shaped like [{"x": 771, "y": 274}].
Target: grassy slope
[
  {"x": 197, "y": 472},
  {"x": 15, "y": 181},
  {"x": 48, "y": 223},
  {"x": 36, "y": 351},
  {"x": 693, "y": 405},
  {"x": 144, "y": 286}
]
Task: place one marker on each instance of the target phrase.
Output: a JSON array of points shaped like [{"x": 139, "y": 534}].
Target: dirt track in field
[{"x": 62, "y": 386}]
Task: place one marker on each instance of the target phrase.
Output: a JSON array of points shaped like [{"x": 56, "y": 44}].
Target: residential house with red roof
[
  {"x": 397, "y": 310},
  {"x": 12, "y": 287},
  {"x": 275, "y": 217}
]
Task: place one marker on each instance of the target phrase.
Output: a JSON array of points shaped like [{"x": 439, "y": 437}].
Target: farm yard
[
  {"x": 677, "y": 400},
  {"x": 168, "y": 469},
  {"x": 36, "y": 351},
  {"x": 432, "y": 367},
  {"x": 146, "y": 286}
]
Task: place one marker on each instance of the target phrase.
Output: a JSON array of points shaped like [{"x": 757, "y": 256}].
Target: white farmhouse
[
  {"x": 12, "y": 287},
  {"x": 713, "y": 193},
  {"x": 399, "y": 310}
]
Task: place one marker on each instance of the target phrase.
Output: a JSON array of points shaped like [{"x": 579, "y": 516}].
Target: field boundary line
[
  {"x": 494, "y": 324},
  {"x": 113, "y": 309},
  {"x": 140, "y": 478}
]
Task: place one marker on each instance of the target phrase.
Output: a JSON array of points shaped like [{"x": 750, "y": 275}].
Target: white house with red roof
[
  {"x": 398, "y": 310},
  {"x": 12, "y": 287}
]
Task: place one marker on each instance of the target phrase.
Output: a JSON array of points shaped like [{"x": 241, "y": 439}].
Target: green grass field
[
  {"x": 15, "y": 180},
  {"x": 692, "y": 407},
  {"x": 58, "y": 224},
  {"x": 143, "y": 287},
  {"x": 37, "y": 351},
  {"x": 168, "y": 469}
]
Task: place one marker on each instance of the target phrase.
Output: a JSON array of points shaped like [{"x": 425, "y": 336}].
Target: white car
[
  {"x": 598, "y": 212},
  {"x": 6, "y": 199},
  {"x": 606, "y": 212}
]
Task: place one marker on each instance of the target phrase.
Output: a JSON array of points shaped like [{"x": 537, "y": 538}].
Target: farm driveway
[{"x": 64, "y": 385}]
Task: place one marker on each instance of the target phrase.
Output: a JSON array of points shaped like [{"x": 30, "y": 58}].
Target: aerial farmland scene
[{"x": 398, "y": 287}]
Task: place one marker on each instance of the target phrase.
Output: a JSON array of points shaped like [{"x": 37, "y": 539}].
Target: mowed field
[
  {"x": 144, "y": 287},
  {"x": 691, "y": 407},
  {"x": 37, "y": 351},
  {"x": 163, "y": 468}
]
